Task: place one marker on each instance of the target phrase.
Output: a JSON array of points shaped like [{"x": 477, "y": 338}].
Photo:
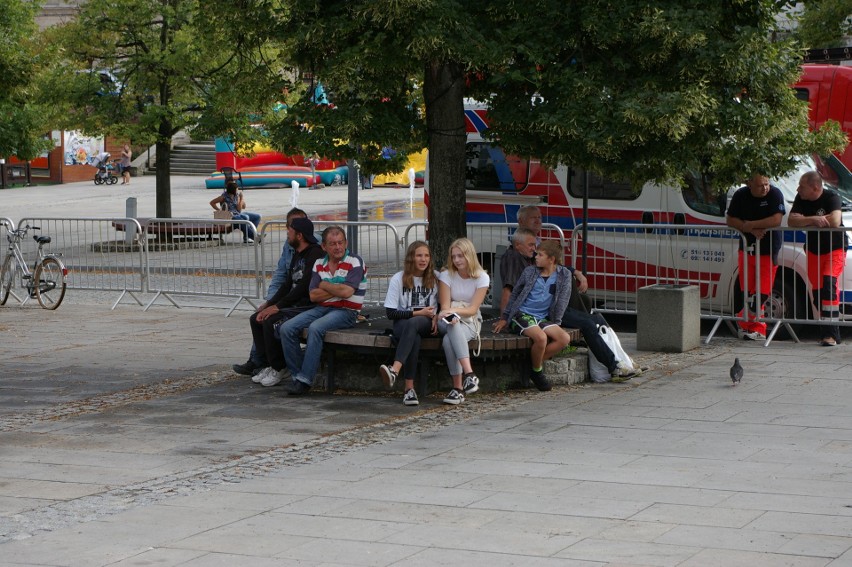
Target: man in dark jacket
[{"x": 291, "y": 299}]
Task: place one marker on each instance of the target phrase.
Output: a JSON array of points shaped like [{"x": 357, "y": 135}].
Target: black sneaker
[
  {"x": 454, "y": 397},
  {"x": 388, "y": 375},
  {"x": 410, "y": 398},
  {"x": 471, "y": 383},
  {"x": 540, "y": 381},
  {"x": 297, "y": 388},
  {"x": 247, "y": 369}
]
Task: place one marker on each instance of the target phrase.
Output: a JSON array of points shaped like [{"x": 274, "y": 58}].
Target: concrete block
[
  {"x": 668, "y": 318},
  {"x": 568, "y": 369}
]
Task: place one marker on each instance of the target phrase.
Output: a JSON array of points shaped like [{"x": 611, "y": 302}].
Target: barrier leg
[
  {"x": 775, "y": 329},
  {"x": 713, "y": 330},
  {"x": 158, "y": 294},
  {"x": 235, "y": 305},
  {"x": 120, "y": 297}
]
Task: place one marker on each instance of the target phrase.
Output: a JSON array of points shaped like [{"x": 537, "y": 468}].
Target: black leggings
[{"x": 407, "y": 333}]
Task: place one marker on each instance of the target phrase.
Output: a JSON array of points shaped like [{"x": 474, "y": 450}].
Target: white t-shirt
[
  {"x": 399, "y": 297},
  {"x": 462, "y": 289}
]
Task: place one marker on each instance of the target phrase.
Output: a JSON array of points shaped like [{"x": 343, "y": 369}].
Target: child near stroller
[{"x": 106, "y": 170}]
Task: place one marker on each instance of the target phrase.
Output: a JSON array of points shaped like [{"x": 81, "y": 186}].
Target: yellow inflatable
[{"x": 417, "y": 161}]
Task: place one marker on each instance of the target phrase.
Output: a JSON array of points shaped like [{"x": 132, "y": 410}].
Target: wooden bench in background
[{"x": 188, "y": 230}]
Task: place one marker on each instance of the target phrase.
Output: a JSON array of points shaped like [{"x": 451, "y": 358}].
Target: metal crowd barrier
[
  {"x": 487, "y": 238},
  {"x": 796, "y": 300},
  {"x": 207, "y": 257},
  {"x": 622, "y": 258},
  {"x": 97, "y": 252},
  {"x": 5, "y": 224},
  {"x": 273, "y": 235},
  {"x": 414, "y": 231},
  {"x": 203, "y": 257}
]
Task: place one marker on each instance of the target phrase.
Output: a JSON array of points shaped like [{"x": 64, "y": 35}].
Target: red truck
[{"x": 828, "y": 91}]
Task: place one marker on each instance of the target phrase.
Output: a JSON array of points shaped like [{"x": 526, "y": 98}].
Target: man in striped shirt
[{"x": 338, "y": 285}]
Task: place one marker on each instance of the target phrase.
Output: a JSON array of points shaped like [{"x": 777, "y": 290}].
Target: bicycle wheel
[
  {"x": 7, "y": 279},
  {"x": 49, "y": 280}
]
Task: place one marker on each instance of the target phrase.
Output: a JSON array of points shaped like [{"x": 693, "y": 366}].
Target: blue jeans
[
  {"x": 254, "y": 218},
  {"x": 318, "y": 320}
]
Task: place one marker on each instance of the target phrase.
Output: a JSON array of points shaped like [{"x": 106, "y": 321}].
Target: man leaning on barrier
[
  {"x": 255, "y": 362},
  {"x": 529, "y": 217},
  {"x": 291, "y": 299},
  {"x": 338, "y": 286},
  {"x": 754, "y": 210},
  {"x": 826, "y": 250}
]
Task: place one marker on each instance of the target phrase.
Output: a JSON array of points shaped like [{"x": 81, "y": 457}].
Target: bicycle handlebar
[{"x": 20, "y": 231}]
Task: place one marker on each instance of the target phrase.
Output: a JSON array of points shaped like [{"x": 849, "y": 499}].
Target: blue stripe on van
[{"x": 477, "y": 122}]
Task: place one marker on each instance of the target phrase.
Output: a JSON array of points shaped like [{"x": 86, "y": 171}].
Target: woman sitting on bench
[
  {"x": 410, "y": 304},
  {"x": 232, "y": 200},
  {"x": 462, "y": 286}
]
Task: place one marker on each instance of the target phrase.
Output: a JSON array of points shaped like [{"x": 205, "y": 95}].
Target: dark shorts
[{"x": 523, "y": 321}]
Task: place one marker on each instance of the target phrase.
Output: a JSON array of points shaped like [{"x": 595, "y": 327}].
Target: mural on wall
[{"x": 82, "y": 150}]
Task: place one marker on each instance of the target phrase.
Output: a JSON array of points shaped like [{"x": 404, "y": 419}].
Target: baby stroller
[{"x": 106, "y": 170}]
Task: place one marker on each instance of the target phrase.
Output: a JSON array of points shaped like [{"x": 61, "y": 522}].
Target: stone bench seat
[{"x": 369, "y": 342}]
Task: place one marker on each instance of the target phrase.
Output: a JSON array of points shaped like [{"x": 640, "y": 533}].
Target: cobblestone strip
[
  {"x": 105, "y": 402},
  {"x": 239, "y": 468},
  {"x": 234, "y": 470}
]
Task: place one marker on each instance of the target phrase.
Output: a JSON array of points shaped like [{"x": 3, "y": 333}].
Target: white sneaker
[
  {"x": 256, "y": 378},
  {"x": 275, "y": 377},
  {"x": 750, "y": 336},
  {"x": 623, "y": 373}
]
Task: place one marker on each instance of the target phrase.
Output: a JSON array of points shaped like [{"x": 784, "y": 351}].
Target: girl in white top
[
  {"x": 462, "y": 286},
  {"x": 411, "y": 303}
]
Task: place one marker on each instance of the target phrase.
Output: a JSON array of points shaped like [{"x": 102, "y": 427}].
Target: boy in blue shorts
[{"x": 536, "y": 305}]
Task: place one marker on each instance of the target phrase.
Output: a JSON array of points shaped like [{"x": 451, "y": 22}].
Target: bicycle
[{"x": 45, "y": 282}]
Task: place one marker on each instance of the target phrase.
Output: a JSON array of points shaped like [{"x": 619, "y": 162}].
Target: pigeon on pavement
[{"x": 736, "y": 372}]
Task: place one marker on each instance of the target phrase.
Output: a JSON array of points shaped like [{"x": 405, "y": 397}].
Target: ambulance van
[{"x": 828, "y": 92}]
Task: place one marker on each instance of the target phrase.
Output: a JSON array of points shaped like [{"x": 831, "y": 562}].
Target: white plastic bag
[{"x": 597, "y": 371}]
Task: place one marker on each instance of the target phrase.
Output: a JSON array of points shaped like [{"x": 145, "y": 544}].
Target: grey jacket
[{"x": 564, "y": 281}]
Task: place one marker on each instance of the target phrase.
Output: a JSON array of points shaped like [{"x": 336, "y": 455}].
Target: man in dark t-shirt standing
[
  {"x": 755, "y": 209},
  {"x": 815, "y": 207}
]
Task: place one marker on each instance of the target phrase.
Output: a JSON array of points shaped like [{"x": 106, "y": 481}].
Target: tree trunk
[
  {"x": 443, "y": 90},
  {"x": 164, "y": 180}
]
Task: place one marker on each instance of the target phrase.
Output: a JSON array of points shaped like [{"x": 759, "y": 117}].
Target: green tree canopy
[
  {"x": 177, "y": 63},
  {"x": 23, "y": 121},
  {"x": 825, "y": 23},
  {"x": 634, "y": 90},
  {"x": 396, "y": 73},
  {"x": 647, "y": 90}
]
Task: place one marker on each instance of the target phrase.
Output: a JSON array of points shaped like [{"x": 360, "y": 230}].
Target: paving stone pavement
[{"x": 126, "y": 440}]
